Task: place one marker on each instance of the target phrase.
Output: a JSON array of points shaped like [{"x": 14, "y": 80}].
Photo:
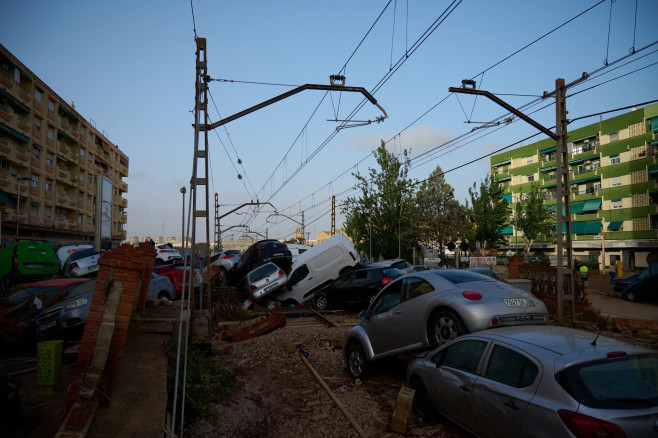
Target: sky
[{"x": 129, "y": 67}]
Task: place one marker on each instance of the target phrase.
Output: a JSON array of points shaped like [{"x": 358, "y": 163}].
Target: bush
[
  {"x": 208, "y": 380},
  {"x": 539, "y": 259}
]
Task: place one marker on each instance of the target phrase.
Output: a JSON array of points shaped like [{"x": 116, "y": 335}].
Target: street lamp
[
  {"x": 182, "y": 235},
  {"x": 18, "y": 198}
]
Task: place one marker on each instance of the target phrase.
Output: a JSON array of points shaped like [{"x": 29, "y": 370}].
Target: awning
[
  {"x": 37, "y": 146},
  {"x": 584, "y": 138},
  {"x": 63, "y": 134},
  {"x": 613, "y": 156},
  {"x": 592, "y": 205},
  {"x": 26, "y": 75},
  {"x": 507, "y": 178},
  {"x": 585, "y": 180},
  {"x": 616, "y": 225},
  {"x": 13, "y": 196},
  {"x": 554, "y": 207},
  {"x": 3, "y": 198},
  {"x": 547, "y": 169},
  {"x": 547, "y": 150},
  {"x": 654, "y": 124},
  {"x": 616, "y": 200},
  {"x": 36, "y": 204},
  {"x": 592, "y": 227},
  {"x": 61, "y": 158},
  {"x": 14, "y": 133},
  {"x": 653, "y": 170},
  {"x": 14, "y": 101},
  {"x": 508, "y": 230},
  {"x": 577, "y": 207},
  {"x": 507, "y": 197},
  {"x": 578, "y": 227},
  {"x": 550, "y": 186},
  {"x": 501, "y": 163},
  {"x": 580, "y": 160},
  {"x": 654, "y": 143},
  {"x": 68, "y": 113}
]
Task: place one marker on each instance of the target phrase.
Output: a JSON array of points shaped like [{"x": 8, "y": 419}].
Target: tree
[
  {"x": 533, "y": 217},
  {"x": 489, "y": 213},
  {"x": 437, "y": 214},
  {"x": 382, "y": 209}
]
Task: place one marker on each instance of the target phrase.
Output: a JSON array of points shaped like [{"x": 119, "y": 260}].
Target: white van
[{"x": 319, "y": 266}]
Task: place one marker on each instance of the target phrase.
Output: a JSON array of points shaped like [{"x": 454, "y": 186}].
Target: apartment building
[
  {"x": 61, "y": 179},
  {"x": 613, "y": 178}
]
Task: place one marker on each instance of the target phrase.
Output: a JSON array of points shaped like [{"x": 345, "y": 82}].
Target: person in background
[
  {"x": 584, "y": 272},
  {"x": 612, "y": 271}
]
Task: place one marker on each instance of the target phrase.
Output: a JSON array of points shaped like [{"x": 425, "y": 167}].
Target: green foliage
[
  {"x": 489, "y": 213},
  {"x": 382, "y": 209},
  {"x": 208, "y": 380},
  {"x": 541, "y": 260},
  {"x": 437, "y": 215},
  {"x": 533, "y": 217}
]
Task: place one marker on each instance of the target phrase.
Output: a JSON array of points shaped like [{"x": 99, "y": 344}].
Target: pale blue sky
[{"x": 130, "y": 66}]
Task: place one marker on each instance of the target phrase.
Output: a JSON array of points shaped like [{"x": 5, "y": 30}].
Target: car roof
[
  {"x": 569, "y": 344},
  {"x": 58, "y": 282}
]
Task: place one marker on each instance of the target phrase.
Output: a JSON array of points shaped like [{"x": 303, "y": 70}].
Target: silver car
[
  {"x": 540, "y": 381},
  {"x": 264, "y": 280},
  {"x": 161, "y": 288},
  {"x": 429, "y": 308}
]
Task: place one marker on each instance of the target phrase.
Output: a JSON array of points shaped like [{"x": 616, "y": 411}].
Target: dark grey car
[{"x": 540, "y": 381}]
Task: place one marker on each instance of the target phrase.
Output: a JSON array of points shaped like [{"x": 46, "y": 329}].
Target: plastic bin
[{"x": 49, "y": 365}]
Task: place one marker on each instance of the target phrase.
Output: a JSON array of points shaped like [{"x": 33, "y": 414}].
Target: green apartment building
[{"x": 613, "y": 178}]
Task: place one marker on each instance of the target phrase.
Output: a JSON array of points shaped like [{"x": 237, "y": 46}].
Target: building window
[
  {"x": 615, "y": 182},
  {"x": 616, "y": 203},
  {"x": 34, "y": 210},
  {"x": 82, "y": 153},
  {"x": 51, "y": 106},
  {"x": 91, "y": 137},
  {"x": 37, "y": 124},
  {"x": 80, "y": 219},
  {"x": 89, "y": 180},
  {"x": 49, "y": 160},
  {"x": 582, "y": 189},
  {"x": 38, "y": 95},
  {"x": 36, "y": 153},
  {"x": 49, "y": 185},
  {"x": 88, "y": 199},
  {"x": 35, "y": 181},
  {"x": 51, "y": 133},
  {"x": 531, "y": 178},
  {"x": 82, "y": 176},
  {"x": 613, "y": 136},
  {"x": 615, "y": 160},
  {"x": 531, "y": 160},
  {"x": 48, "y": 212}
]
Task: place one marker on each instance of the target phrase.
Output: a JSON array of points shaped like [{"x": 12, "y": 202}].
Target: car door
[
  {"x": 452, "y": 382},
  {"x": 416, "y": 292},
  {"x": 385, "y": 326},
  {"x": 501, "y": 396},
  {"x": 339, "y": 291},
  {"x": 362, "y": 286}
]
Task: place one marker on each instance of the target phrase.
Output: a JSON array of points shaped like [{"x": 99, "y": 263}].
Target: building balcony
[
  {"x": 35, "y": 192},
  {"x": 61, "y": 200},
  {"x": 71, "y": 203},
  {"x": 23, "y": 125},
  {"x": 25, "y": 96},
  {"x": 49, "y": 195},
  {"x": 6, "y": 81},
  {"x": 123, "y": 186},
  {"x": 6, "y": 114},
  {"x": 36, "y": 163},
  {"x": 51, "y": 116},
  {"x": 123, "y": 170},
  {"x": 38, "y": 105},
  {"x": 50, "y": 169},
  {"x": 123, "y": 218},
  {"x": 50, "y": 142},
  {"x": 34, "y": 220},
  {"x": 47, "y": 221},
  {"x": 62, "y": 175},
  {"x": 123, "y": 202},
  {"x": 6, "y": 147},
  {"x": 21, "y": 154}
]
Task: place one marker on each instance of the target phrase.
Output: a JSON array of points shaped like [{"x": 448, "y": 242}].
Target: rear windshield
[
  {"x": 263, "y": 272},
  {"x": 391, "y": 272},
  {"x": 82, "y": 254},
  {"x": 457, "y": 276},
  {"x": 621, "y": 383}
]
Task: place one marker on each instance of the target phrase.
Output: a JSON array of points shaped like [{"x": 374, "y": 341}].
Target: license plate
[
  {"x": 47, "y": 325},
  {"x": 277, "y": 254},
  {"x": 271, "y": 287},
  {"x": 33, "y": 266},
  {"x": 518, "y": 302}
]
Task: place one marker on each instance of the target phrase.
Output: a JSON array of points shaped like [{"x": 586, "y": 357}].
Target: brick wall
[{"x": 121, "y": 287}]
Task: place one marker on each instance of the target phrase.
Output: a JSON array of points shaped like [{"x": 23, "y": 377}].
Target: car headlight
[{"x": 77, "y": 303}]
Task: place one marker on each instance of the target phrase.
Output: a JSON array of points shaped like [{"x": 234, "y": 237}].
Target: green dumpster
[{"x": 49, "y": 365}]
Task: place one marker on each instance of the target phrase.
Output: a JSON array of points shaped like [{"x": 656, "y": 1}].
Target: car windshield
[
  {"x": 392, "y": 272},
  {"x": 263, "y": 272},
  {"x": 457, "y": 276},
  {"x": 620, "y": 383},
  {"x": 82, "y": 254},
  {"x": 84, "y": 288}
]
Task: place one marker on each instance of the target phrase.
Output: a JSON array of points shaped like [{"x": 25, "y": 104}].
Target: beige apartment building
[{"x": 61, "y": 179}]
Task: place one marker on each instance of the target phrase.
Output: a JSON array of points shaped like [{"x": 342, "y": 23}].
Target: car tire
[
  {"x": 444, "y": 326},
  {"x": 630, "y": 296},
  {"x": 159, "y": 262},
  {"x": 422, "y": 401},
  {"x": 345, "y": 270},
  {"x": 5, "y": 284},
  {"x": 164, "y": 296},
  {"x": 321, "y": 302},
  {"x": 357, "y": 364}
]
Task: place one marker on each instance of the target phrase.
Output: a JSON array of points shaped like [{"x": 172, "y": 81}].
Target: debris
[
  {"x": 402, "y": 411},
  {"x": 258, "y": 326}
]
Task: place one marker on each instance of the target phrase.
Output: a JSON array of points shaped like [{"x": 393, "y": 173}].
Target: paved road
[{"x": 602, "y": 297}]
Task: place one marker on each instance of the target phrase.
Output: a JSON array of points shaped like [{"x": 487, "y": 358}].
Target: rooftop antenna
[{"x": 597, "y": 337}]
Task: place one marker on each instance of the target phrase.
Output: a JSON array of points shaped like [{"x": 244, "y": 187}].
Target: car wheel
[
  {"x": 630, "y": 296},
  {"x": 422, "y": 400},
  {"x": 445, "y": 326},
  {"x": 321, "y": 302},
  {"x": 5, "y": 284},
  {"x": 163, "y": 296},
  {"x": 345, "y": 270},
  {"x": 357, "y": 365},
  {"x": 159, "y": 262}
]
